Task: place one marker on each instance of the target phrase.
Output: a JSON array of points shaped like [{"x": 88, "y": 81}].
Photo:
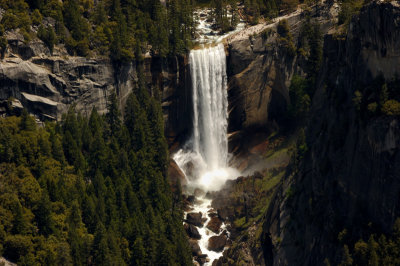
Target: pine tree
[
  {"x": 113, "y": 114},
  {"x": 27, "y": 122},
  {"x": 100, "y": 244},
  {"x": 159, "y": 30},
  {"x": 20, "y": 224},
  {"x": 138, "y": 252},
  {"x": 43, "y": 215},
  {"x": 73, "y": 19}
]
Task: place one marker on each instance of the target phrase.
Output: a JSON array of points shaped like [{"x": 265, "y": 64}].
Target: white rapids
[{"x": 204, "y": 158}]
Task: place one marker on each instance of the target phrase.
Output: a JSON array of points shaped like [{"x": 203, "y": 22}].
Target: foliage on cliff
[
  {"x": 220, "y": 14},
  {"x": 380, "y": 98},
  {"x": 342, "y": 187},
  {"x": 268, "y": 8},
  {"x": 120, "y": 28},
  {"x": 309, "y": 49},
  {"x": 252, "y": 12},
  {"x": 90, "y": 191},
  {"x": 372, "y": 248}
]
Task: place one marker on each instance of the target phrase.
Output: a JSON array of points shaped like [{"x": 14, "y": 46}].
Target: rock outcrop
[
  {"x": 195, "y": 219},
  {"x": 217, "y": 243},
  {"x": 214, "y": 224},
  {"x": 349, "y": 178},
  {"x": 47, "y": 84},
  {"x": 192, "y": 231},
  {"x": 194, "y": 246},
  {"x": 260, "y": 71}
]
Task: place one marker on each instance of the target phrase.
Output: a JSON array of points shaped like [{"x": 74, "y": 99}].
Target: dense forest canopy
[
  {"x": 124, "y": 29},
  {"x": 90, "y": 191},
  {"x": 121, "y": 28}
]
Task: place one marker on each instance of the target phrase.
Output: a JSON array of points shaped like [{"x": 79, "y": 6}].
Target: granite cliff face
[
  {"x": 260, "y": 69},
  {"x": 349, "y": 178},
  {"x": 259, "y": 74},
  {"x": 47, "y": 84}
]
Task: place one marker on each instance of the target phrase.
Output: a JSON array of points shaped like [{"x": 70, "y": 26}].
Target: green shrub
[
  {"x": 348, "y": 8},
  {"x": 357, "y": 100},
  {"x": 36, "y": 17},
  {"x": 391, "y": 107},
  {"x": 283, "y": 28},
  {"x": 16, "y": 246},
  {"x": 82, "y": 48},
  {"x": 13, "y": 20},
  {"x": 289, "y": 5},
  {"x": 48, "y": 36},
  {"x": 286, "y": 39},
  {"x": 300, "y": 101},
  {"x": 372, "y": 107},
  {"x": 70, "y": 44},
  {"x": 266, "y": 33},
  {"x": 3, "y": 46},
  {"x": 27, "y": 36},
  {"x": 53, "y": 9},
  {"x": 290, "y": 192},
  {"x": 10, "y": 21}
]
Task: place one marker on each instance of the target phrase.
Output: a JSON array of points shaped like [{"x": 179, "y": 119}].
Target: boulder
[
  {"x": 195, "y": 219},
  {"x": 194, "y": 246},
  {"x": 217, "y": 243},
  {"x": 192, "y": 231},
  {"x": 212, "y": 213},
  {"x": 202, "y": 259},
  {"x": 191, "y": 199},
  {"x": 214, "y": 224}
]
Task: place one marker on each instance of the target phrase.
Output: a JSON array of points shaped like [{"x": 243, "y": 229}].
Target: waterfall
[
  {"x": 204, "y": 158},
  {"x": 210, "y": 107}
]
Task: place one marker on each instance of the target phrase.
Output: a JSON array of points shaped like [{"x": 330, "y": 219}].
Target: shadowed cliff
[{"x": 347, "y": 184}]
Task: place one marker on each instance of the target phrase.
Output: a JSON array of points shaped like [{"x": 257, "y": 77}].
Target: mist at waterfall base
[
  {"x": 204, "y": 158},
  {"x": 199, "y": 175}
]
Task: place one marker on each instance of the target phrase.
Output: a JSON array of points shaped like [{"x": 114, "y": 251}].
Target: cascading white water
[
  {"x": 204, "y": 158},
  {"x": 208, "y": 72}
]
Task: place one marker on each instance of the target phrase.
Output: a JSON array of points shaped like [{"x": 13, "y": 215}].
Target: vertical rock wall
[{"x": 48, "y": 84}]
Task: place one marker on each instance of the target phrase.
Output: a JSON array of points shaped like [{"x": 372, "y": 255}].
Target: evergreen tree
[
  {"x": 118, "y": 181},
  {"x": 43, "y": 216},
  {"x": 27, "y": 122},
  {"x": 101, "y": 250},
  {"x": 20, "y": 225},
  {"x": 113, "y": 114},
  {"x": 73, "y": 19}
]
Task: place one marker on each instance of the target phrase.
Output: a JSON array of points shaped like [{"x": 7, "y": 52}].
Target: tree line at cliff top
[
  {"x": 122, "y": 29},
  {"x": 90, "y": 191}
]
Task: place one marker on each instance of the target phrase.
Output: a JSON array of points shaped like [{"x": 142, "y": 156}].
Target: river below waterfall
[{"x": 204, "y": 158}]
